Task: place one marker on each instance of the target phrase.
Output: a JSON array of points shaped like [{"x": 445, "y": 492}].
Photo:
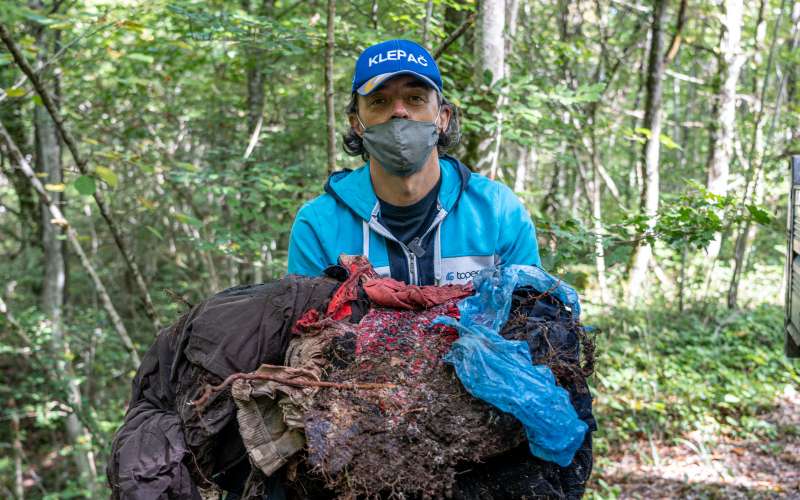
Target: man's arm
[
  {"x": 517, "y": 240},
  {"x": 306, "y": 255}
]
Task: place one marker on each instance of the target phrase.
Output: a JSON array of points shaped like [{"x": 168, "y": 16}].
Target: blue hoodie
[{"x": 480, "y": 223}]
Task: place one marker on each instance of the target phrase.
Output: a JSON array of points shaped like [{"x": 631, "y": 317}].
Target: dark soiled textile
[{"x": 165, "y": 448}]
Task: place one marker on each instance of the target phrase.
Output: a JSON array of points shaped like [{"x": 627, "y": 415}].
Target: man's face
[{"x": 401, "y": 97}]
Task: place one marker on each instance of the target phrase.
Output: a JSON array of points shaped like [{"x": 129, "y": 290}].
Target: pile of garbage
[{"x": 352, "y": 385}]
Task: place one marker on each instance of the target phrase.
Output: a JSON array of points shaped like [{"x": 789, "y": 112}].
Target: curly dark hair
[{"x": 354, "y": 146}]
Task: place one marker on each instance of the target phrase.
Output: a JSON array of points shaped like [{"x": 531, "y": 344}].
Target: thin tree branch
[
  {"x": 426, "y": 25},
  {"x": 40, "y": 70},
  {"x": 329, "y": 109},
  {"x": 675, "y": 44},
  {"x": 454, "y": 35}
]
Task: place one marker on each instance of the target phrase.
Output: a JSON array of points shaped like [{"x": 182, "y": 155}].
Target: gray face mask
[{"x": 401, "y": 146}]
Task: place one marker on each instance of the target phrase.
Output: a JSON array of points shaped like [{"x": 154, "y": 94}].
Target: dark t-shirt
[{"x": 406, "y": 224}]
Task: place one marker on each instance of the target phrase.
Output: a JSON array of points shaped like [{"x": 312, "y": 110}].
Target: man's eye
[
  {"x": 416, "y": 99},
  {"x": 377, "y": 102}
]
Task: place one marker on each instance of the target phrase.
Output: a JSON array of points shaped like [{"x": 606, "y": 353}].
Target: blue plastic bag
[{"x": 501, "y": 371}]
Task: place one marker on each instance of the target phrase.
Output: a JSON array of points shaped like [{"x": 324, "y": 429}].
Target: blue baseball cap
[{"x": 393, "y": 58}]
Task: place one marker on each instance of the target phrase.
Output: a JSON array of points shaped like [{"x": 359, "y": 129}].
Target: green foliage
[
  {"x": 85, "y": 185},
  {"x": 690, "y": 219},
  {"x": 665, "y": 374},
  {"x": 695, "y": 216}
]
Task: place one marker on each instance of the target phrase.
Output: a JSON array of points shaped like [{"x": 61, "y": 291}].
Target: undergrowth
[{"x": 662, "y": 375}]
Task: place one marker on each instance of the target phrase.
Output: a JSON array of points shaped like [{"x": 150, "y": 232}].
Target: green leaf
[
  {"x": 667, "y": 142},
  {"x": 12, "y": 92},
  {"x": 155, "y": 232},
  {"x": 108, "y": 176},
  {"x": 487, "y": 77},
  {"x": 188, "y": 166},
  {"x": 85, "y": 185},
  {"x": 132, "y": 25},
  {"x": 136, "y": 56},
  {"x": 188, "y": 219},
  {"x": 759, "y": 215},
  {"x": 33, "y": 16}
]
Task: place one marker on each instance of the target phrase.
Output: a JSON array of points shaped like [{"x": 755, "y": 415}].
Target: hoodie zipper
[{"x": 411, "y": 257}]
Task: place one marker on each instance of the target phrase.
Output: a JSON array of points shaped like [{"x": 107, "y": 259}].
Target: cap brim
[{"x": 376, "y": 81}]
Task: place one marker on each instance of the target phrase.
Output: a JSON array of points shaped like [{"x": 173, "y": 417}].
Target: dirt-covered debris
[{"x": 408, "y": 440}]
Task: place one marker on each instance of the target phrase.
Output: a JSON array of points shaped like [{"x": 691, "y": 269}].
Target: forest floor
[
  {"x": 700, "y": 467},
  {"x": 698, "y": 404}
]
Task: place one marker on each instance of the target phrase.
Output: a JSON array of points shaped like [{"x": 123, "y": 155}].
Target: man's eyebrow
[{"x": 416, "y": 84}]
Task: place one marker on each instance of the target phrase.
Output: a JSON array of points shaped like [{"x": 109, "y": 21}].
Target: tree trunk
[
  {"x": 255, "y": 101},
  {"x": 748, "y": 231},
  {"x": 597, "y": 221},
  {"x": 329, "y": 110},
  {"x": 255, "y": 118},
  {"x": 11, "y": 114},
  {"x": 652, "y": 121},
  {"x": 426, "y": 25},
  {"x": 19, "y": 485},
  {"x": 731, "y": 60},
  {"x": 491, "y": 57},
  {"x": 48, "y": 164},
  {"x": 525, "y": 164}
]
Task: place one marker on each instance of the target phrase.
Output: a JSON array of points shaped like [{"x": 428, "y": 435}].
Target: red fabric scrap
[
  {"x": 392, "y": 293},
  {"x": 360, "y": 270},
  {"x": 306, "y": 321}
]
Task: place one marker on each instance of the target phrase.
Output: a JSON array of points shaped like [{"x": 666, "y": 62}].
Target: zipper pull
[{"x": 416, "y": 247}]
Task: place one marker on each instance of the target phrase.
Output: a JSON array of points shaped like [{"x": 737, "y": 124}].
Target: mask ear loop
[
  {"x": 358, "y": 117},
  {"x": 438, "y": 113}
]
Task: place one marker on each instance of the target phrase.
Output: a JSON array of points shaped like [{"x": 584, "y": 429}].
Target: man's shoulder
[
  {"x": 484, "y": 187},
  {"x": 311, "y": 210}
]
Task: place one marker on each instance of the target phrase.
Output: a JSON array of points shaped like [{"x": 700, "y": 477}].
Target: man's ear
[
  {"x": 444, "y": 118},
  {"x": 355, "y": 125}
]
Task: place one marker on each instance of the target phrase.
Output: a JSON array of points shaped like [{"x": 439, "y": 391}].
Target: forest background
[{"x": 156, "y": 152}]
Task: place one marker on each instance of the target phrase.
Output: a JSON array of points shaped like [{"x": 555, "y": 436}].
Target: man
[{"x": 419, "y": 216}]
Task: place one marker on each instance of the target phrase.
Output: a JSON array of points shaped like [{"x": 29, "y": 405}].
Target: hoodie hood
[{"x": 353, "y": 188}]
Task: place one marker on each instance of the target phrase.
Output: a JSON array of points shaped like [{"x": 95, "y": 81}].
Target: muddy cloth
[
  {"x": 392, "y": 293},
  {"x": 322, "y": 344},
  {"x": 165, "y": 448},
  {"x": 408, "y": 439},
  {"x": 554, "y": 339},
  {"x": 519, "y": 475},
  {"x": 272, "y": 432}
]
